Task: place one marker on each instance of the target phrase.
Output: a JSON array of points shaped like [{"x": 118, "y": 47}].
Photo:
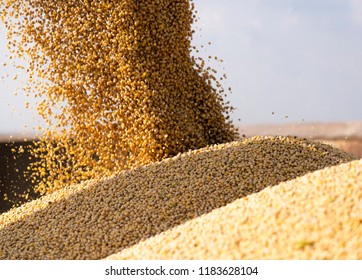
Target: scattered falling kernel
[{"x": 118, "y": 86}]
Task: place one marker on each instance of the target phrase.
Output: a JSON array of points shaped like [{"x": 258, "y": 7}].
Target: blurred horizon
[{"x": 287, "y": 61}]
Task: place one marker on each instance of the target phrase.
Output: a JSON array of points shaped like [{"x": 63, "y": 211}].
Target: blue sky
[{"x": 296, "y": 58}]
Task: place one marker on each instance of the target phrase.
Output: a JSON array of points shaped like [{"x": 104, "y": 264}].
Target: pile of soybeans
[
  {"x": 98, "y": 218},
  {"x": 139, "y": 159},
  {"x": 317, "y": 216}
]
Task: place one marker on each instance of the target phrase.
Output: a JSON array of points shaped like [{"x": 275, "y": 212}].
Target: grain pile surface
[
  {"x": 98, "y": 218},
  {"x": 117, "y": 85},
  {"x": 316, "y": 216}
]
